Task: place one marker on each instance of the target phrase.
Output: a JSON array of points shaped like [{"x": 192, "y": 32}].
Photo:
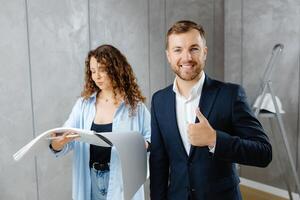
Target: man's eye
[
  {"x": 195, "y": 49},
  {"x": 176, "y": 50}
]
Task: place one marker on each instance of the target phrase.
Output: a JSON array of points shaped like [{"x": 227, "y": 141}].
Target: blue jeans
[{"x": 99, "y": 180}]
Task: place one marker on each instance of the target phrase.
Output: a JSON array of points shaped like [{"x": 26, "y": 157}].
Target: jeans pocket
[{"x": 99, "y": 182}]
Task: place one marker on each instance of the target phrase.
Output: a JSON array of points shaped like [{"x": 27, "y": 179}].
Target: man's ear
[
  {"x": 168, "y": 55},
  {"x": 205, "y": 52}
]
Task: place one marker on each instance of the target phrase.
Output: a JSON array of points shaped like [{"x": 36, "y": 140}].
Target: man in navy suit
[{"x": 200, "y": 127}]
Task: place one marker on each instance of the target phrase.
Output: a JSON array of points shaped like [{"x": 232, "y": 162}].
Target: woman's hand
[{"x": 59, "y": 141}]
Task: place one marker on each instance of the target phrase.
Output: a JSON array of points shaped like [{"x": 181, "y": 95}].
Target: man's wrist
[
  {"x": 212, "y": 144},
  {"x": 213, "y": 139}
]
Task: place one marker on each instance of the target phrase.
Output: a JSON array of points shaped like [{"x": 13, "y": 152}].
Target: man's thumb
[{"x": 199, "y": 115}]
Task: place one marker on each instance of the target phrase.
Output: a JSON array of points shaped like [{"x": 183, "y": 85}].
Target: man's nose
[{"x": 186, "y": 56}]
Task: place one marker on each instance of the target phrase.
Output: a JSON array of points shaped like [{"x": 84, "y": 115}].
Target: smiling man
[{"x": 200, "y": 127}]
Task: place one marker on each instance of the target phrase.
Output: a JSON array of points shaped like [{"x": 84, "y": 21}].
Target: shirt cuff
[{"x": 212, "y": 148}]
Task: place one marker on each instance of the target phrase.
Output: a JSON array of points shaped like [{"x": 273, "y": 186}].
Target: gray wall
[
  {"x": 43, "y": 45},
  {"x": 252, "y": 28}
]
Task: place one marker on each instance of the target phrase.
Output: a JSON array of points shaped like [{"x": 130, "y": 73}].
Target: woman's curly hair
[{"x": 120, "y": 73}]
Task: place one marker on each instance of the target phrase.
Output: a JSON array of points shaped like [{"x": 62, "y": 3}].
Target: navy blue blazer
[{"x": 175, "y": 175}]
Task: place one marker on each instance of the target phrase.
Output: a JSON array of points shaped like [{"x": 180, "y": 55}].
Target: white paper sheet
[{"x": 130, "y": 147}]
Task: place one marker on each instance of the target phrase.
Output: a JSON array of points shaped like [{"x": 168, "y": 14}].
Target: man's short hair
[{"x": 184, "y": 26}]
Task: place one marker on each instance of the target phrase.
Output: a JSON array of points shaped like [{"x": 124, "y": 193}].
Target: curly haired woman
[{"x": 110, "y": 101}]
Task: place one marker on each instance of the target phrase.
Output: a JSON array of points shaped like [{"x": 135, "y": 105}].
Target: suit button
[{"x": 193, "y": 190}]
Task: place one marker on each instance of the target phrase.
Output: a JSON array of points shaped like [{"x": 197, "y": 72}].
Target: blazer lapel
[
  {"x": 208, "y": 97},
  {"x": 171, "y": 109}
]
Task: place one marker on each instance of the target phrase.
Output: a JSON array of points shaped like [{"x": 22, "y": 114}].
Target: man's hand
[{"x": 201, "y": 134}]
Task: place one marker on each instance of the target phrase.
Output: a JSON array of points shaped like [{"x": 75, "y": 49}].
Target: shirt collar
[
  {"x": 196, "y": 89},
  {"x": 94, "y": 94}
]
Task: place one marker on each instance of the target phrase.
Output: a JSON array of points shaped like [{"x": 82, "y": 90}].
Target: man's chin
[{"x": 187, "y": 77}]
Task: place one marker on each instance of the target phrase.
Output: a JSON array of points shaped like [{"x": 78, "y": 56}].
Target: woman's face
[{"x": 99, "y": 75}]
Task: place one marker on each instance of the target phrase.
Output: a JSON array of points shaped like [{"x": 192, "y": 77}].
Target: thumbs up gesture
[{"x": 201, "y": 133}]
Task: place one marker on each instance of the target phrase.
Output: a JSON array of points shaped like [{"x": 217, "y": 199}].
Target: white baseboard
[{"x": 267, "y": 188}]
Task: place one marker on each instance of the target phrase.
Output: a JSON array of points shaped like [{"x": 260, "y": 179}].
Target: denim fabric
[{"x": 99, "y": 181}]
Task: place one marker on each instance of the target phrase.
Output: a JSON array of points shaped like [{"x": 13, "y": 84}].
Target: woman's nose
[{"x": 98, "y": 75}]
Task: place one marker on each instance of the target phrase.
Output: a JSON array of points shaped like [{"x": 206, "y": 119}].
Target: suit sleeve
[
  {"x": 159, "y": 165},
  {"x": 247, "y": 144}
]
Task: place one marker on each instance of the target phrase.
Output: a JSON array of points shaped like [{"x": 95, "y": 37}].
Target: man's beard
[{"x": 190, "y": 76}]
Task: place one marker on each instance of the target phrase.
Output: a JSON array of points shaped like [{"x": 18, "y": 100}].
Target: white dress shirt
[{"x": 186, "y": 109}]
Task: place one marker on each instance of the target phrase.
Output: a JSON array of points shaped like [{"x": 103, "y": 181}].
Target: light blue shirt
[{"x": 82, "y": 116}]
